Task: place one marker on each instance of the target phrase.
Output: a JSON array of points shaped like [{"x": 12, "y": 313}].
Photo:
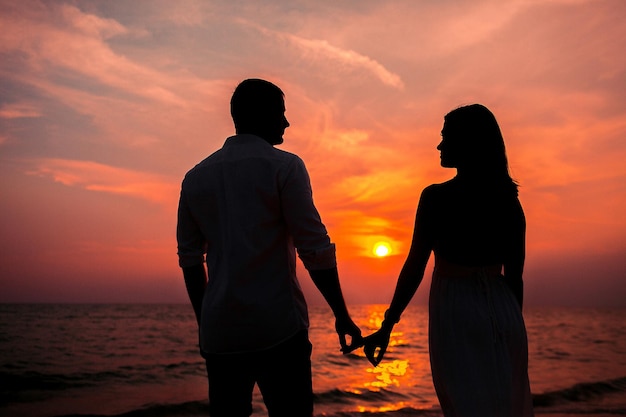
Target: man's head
[{"x": 258, "y": 108}]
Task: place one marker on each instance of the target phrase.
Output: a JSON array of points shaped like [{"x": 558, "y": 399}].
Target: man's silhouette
[{"x": 248, "y": 208}]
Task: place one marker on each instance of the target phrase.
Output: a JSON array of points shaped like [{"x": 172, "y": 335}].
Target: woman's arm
[{"x": 409, "y": 279}]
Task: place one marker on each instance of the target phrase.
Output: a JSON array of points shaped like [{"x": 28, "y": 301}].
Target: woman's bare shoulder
[{"x": 440, "y": 189}]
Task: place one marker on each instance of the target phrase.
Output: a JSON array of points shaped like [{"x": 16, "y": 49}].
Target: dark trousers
[{"x": 283, "y": 374}]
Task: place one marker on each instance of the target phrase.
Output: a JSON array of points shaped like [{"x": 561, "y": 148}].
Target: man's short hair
[{"x": 251, "y": 101}]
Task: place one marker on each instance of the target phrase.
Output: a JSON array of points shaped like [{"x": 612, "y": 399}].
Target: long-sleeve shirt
[{"x": 247, "y": 208}]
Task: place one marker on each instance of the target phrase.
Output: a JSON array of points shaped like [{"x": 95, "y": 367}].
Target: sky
[{"x": 105, "y": 105}]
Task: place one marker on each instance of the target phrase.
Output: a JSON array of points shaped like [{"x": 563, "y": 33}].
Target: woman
[{"x": 475, "y": 226}]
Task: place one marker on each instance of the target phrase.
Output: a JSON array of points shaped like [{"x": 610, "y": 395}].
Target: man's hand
[
  {"x": 345, "y": 326},
  {"x": 327, "y": 281},
  {"x": 375, "y": 345}
]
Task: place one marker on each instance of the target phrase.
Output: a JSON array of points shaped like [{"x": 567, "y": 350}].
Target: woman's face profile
[{"x": 449, "y": 147}]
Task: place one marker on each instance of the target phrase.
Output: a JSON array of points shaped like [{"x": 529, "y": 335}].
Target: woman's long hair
[{"x": 484, "y": 153}]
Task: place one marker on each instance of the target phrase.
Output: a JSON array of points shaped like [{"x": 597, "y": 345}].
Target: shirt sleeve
[
  {"x": 303, "y": 220},
  {"x": 191, "y": 243}
]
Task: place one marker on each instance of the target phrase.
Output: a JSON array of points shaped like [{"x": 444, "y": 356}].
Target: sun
[{"x": 382, "y": 249}]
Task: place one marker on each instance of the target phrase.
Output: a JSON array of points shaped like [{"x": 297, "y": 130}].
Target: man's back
[{"x": 250, "y": 203}]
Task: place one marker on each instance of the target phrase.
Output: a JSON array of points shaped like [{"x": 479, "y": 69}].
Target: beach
[{"x": 142, "y": 360}]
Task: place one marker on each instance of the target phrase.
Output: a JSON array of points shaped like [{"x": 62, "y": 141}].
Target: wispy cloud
[
  {"x": 320, "y": 50},
  {"x": 67, "y": 38},
  {"x": 92, "y": 25},
  {"x": 98, "y": 177},
  {"x": 18, "y": 111}
]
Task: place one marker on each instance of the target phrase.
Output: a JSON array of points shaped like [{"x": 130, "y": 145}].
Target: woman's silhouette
[{"x": 475, "y": 225}]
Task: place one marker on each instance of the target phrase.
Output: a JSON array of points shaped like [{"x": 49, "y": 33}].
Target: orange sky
[{"x": 105, "y": 106}]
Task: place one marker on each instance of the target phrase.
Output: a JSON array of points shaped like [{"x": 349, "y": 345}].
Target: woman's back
[{"x": 471, "y": 225}]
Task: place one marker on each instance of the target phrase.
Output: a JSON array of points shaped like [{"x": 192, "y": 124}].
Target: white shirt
[{"x": 248, "y": 207}]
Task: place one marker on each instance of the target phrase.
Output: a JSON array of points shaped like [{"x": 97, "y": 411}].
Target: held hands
[{"x": 375, "y": 345}]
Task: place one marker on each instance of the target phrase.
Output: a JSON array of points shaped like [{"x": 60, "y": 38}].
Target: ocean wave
[
  {"x": 580, "y": 392},
  {"x": 191, "y": 408},
  {"x": 337, "y": 396},
  {"x": 544, "y": 402},
  {"x": 403, "y": 412},
  {"x": 29, "y": 381},
  {"x": 16, "y": 380},
  {"x": 201, "y": 408}
]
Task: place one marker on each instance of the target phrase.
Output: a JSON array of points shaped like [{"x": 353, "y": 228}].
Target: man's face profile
[{"x": 276, "y": 123}]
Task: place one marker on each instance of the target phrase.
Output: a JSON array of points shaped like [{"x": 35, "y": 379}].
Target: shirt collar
[{"x": 245, "y": 139}]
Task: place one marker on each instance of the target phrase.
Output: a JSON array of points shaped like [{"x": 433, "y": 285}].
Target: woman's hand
[{"x": 375, "y": 345}]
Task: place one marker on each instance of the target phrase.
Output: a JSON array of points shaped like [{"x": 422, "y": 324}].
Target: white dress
[{"x": 478, "y": 344}]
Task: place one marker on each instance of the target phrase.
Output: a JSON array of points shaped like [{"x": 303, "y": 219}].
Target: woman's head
[{"x": 472, "y": 142}]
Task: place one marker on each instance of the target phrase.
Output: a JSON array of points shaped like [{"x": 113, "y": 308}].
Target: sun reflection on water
[
  {"x": 376, "y": 315},
  {"x": 384, "y": 408},
  {"x": 387, "y": 372},
  {"x": 391, "y": 385},
  {"x": 390, "y": 373}
]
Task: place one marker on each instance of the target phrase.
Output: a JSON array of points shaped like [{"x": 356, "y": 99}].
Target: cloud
[
  {"x": 98, "y": 177},
  {"x": 63, "y": 37},
  {"x": 92, "y": 25},
  {"x": 18, "y": 111},
  {"x": 96, "y": 95},
  {"x": 320, "y": 50}
]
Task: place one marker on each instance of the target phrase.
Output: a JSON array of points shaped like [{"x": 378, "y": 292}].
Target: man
[{"x": 248, "y": 207}]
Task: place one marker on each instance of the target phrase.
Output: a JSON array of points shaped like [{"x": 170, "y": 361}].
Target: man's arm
[
  {"x": 327, "y": 282},
  {"x": 195, "y": 280},
  {"x": 315, "y": 248},
  {"x": 191, "y": 249}
]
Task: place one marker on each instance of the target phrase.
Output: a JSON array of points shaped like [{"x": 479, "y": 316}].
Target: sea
[{"x": 136, "y": 360}]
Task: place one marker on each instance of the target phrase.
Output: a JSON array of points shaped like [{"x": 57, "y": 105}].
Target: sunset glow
[{"x": 106, "y": 105}]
